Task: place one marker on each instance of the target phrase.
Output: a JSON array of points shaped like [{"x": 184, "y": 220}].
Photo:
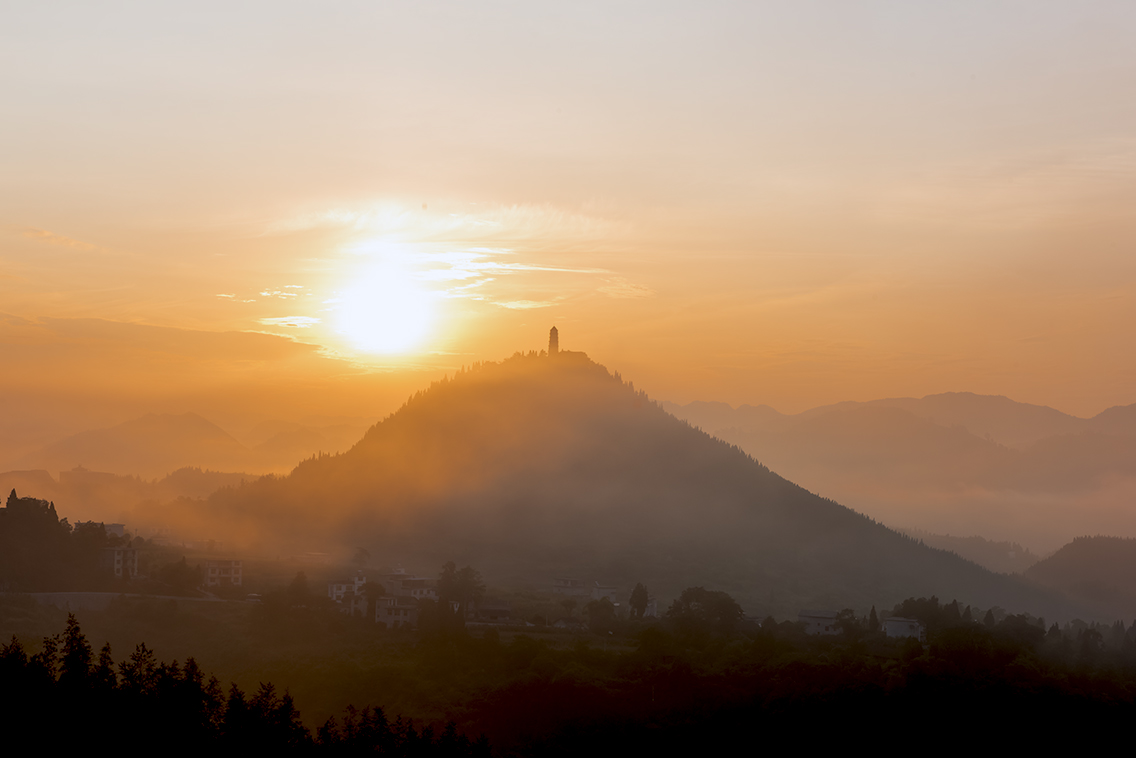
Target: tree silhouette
[
  {"x": 699, "y": 611},
  {"x": 75, "y": 664},
  {"x": 298, "y": 591},
  {"x": 601, "y": 614},
  {"x": 638, "y": 601},
  {"x": 462, "y": 586}
]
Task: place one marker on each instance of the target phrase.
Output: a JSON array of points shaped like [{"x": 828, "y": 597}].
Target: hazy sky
[{"x": 784, "y": 203}]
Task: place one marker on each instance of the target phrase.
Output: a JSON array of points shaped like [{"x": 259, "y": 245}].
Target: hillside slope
[
  {"x": 1098, "y": 569},
  {"x": 539, "y": 467}
]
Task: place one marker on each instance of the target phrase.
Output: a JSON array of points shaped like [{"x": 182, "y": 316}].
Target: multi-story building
[
  {"x": 223, "y": 573},
  {"x": 122, "y": 561}
]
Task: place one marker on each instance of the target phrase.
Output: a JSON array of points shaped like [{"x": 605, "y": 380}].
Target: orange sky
[{"x": 790, "y": 204}]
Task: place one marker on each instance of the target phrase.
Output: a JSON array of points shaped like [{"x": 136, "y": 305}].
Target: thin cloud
[
  {"x": 51, "y": 238},
  {"x": 525, "y": 304},
  {"x": 618, "y": 287},
  {"x": 293, "y": 322},
  {"x": 497, "y": 222},
  {"x": 464, "y": 290}
]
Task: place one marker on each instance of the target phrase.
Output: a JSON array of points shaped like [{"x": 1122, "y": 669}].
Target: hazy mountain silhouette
[
  {"x": 1119, "y": 420},
  {"x": 151, "y": 446},
  {"x": 1098, "y": 569},
  {"x": 155, "y": 445},
  {"x": 84, "y": 495},
  {"x": 291, "y": 442},
  {"x": 1001, "y": 419},
  {"x": 539, "y": 467},
  {"x": 1000, "y": 557},
  {"x": 954, "y": 462}
]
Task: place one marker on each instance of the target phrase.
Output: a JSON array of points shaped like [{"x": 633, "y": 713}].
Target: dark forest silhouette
[
  {"x": 71, "y": 693},
  {"x": 697, "y": 680}
]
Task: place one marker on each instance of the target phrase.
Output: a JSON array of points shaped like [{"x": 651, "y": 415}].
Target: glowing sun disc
[{"x": 385, "y": 311}]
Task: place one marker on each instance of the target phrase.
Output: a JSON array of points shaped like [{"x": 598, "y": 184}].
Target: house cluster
[
  {"x": 396, "y": 599},
  {"x": 824, "y": 622},
  {"x": 578, "y": 588}
]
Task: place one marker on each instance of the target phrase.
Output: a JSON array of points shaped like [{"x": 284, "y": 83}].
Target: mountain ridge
[{"x": 536, "y": 467}]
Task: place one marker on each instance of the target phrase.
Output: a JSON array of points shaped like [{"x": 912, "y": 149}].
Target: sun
[{"x": 385, "y": 311}]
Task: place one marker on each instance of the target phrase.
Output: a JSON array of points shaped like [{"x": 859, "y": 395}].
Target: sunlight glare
[{"x": 385, "y": 311}]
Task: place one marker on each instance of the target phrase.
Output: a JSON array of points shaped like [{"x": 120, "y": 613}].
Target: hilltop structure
[{"x": 553, "y": 342}]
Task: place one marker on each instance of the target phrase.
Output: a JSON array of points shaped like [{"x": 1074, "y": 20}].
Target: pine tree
[{"x": 75, "y": 663}]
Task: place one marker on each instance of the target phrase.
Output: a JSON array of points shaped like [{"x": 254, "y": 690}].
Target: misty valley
[{"x": 532, "y": 557}]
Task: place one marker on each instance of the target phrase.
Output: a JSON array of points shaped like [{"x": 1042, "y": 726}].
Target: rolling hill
[
  {"x": 1098, "y": 569},
  {"x": 539, "y": 467}
]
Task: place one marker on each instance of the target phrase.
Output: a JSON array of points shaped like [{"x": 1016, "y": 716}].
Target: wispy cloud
[
  {"x": 619, "y": 287},
  {"x": 464, "y": 274},
  {"x": 293, "y": 322},
  {"x": 459, "y": 223},
  {"x": 525, "y": 304},
  {"x": 51, "y": 238}
]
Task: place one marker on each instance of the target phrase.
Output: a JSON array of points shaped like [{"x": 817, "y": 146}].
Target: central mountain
[{"x": 544, "y": 466}]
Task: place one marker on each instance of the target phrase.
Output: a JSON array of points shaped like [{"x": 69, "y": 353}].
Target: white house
[
  {"x": 340, "y": 589},
  {"x": 819, "y": 622},
  {"x": 601, "y": 591}
]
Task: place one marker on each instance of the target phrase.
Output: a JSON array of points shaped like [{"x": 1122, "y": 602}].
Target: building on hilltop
[{"x": 553, "y": 341}]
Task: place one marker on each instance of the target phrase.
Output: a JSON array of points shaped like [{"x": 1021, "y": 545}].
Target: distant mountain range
[
  {"x": 540, "y": 467},
  {"x": 156, "y": 445},
  {"x": 955, "y": 462},
  {"x": 1000, "y": 557},
  {"x": 84, "y": 495}
]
